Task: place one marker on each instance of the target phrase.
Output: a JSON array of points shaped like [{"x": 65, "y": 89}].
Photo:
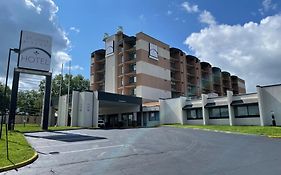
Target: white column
[
  {"x": 260, "y": 100},
  {"x": 162, "y": 111},
  {"x": 205, "y": 110},
  {"x": 182, "y": 103},
  {"x": 95, "y": 115},
  {"x": 74, "y": 108},
  {"x": 85, "y": 118},
  {"x": 230, "y": 108}
]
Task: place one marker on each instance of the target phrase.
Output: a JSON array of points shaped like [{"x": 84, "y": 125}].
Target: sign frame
[{"x": 35, "y": 48}]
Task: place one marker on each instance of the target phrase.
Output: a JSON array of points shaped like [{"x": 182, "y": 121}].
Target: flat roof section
[{"x": 106, "y": 96}]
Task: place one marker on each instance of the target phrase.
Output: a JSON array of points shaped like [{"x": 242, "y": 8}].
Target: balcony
[
  {"x": 175, "y": 68},
  {"x": 131, "y": 49},
  {"x": 172, "y": 59},
  {"x": 175, "y": 79},
  {"x": 130, "y": 61},
  {"x": 175, "y": 89},
  {"x": 100, "y": 71},
  {"x": 205, "y": 71},
  {"x": 130, "y": 73},
  {"x": 205, "y": 83},
  {"x": 190, "y": 65},
  {"x": 191, "y": 72}
]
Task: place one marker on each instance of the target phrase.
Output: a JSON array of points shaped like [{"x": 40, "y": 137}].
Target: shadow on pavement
[{"x": 66, "y": 137}]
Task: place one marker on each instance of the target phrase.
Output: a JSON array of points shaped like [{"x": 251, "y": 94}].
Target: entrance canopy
[{"x": 110, "y": 103}]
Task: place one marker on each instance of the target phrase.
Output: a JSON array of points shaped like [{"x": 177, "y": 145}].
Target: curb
[
  {"x": 221, "y": 131},
  {"x": 21, "y": 164},
  {"x": 275, "y": 137}
]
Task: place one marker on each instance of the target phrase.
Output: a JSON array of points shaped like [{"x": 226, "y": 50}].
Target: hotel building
[{"x": 145, "y": 67}]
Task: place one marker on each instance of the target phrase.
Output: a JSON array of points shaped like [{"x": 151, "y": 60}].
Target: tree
[
  {"x": 4, "y": 101},
  {"x": 30, "y": 101},
  {"x": 77, "y": 83}
]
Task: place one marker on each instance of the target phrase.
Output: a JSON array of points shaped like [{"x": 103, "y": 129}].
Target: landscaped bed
[
  {"x": 270, "y": 131},
  {"x": 19, "y": 149}
]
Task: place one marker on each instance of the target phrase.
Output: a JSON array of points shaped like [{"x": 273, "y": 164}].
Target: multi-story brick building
[{"x": 146, "y": 67}]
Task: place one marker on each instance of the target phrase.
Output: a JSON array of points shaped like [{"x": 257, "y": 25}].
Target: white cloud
[
  {"x": 142, "y": 17},
  {"x": 74, "y": 29},
  {"x": 266, "y": 6},
  {"x": 169, "y": 12},
  {"x": 190, "y": 8},
  {"x": 30, "y": 4},
  {"x": 207, "y": 18},
  {"x": 32, "y": 15},
  {"x": 75, "y": 67},
  {"x": 204, "y": 16},
  {"x": 252, "y": 51}
]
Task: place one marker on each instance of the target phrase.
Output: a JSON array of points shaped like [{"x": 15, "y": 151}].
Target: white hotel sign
[{"x": 35, "y": 51}]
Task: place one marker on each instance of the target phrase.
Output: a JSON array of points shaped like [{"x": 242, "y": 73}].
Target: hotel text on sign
[{"x": 35, "y": 51}]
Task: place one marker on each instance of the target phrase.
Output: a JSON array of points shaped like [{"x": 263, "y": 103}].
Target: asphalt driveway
[{"x": 156, "y": 151}]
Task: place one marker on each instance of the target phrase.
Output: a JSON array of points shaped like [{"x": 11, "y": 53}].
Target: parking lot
[{"x": 162, "y": 150}]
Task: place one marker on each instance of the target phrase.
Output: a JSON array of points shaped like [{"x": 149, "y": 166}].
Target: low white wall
[
  {"x": 152, "y": 123},
  {"x": 270, "y": 100},
  {"x": 219, "y": 121},
  {"x": 171, "y": 110},
  {"x": 194, "y": 122},
  {"x": 62, "y": 111},
  {"x": 247, "y": 121},
  {"x": 85, "y": 117}
]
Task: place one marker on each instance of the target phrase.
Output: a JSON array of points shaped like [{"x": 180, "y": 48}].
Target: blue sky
[{"x": 233, "y": 35}]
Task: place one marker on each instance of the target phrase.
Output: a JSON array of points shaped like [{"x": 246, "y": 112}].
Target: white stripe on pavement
[
  {"x": 75, "y": 151},
  {"x": 69, "y": 144}
]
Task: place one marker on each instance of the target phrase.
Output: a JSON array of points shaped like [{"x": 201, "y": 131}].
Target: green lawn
[
  {"x": 19, "y": 149},
  {"x": 258, "y": 130},
  {"x": 36, "y": 127}
]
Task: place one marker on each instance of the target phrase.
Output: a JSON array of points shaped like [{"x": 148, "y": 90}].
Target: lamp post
[
  {"x": 6, "y": 86},
  {"x": 4, "y": 110}
]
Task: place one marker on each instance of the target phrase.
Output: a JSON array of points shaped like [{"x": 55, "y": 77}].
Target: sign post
[{"x": 34, "y": 58}]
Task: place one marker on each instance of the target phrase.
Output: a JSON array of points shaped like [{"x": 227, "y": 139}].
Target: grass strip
[{"x": 269, "y": 131}]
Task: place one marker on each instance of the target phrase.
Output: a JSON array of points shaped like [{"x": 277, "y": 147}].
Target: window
[
  {"x": 246, "y": 110},
  {"x": 218, "y": 112},
  {"x": 153, "y": 51},
  {"x": 132, "y": 56},
  {"x": 133, "y": 67},
  {"x": 153, "y": 116},
  {"x": 132, "y": 79},
  {"x": 195, "y": 113},
  {"x": 133, "y": 91}
]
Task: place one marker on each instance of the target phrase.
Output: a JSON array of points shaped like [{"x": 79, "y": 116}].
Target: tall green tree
[
  {"x": 30, "y": 101},
  {"x": 77, "y": 83}
]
